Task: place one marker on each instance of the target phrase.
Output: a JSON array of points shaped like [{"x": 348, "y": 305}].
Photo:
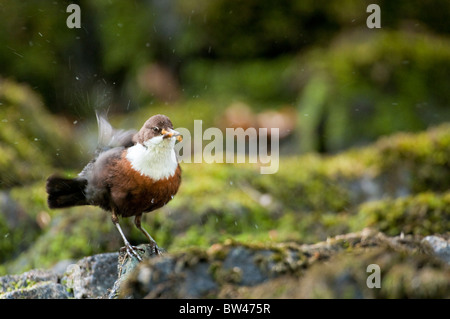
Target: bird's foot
[
  {"x": 156, "y": 249},
  {"x": 131, "y": 251}
]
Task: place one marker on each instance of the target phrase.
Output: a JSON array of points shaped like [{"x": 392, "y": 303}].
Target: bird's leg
[
  {"x": 137, "y": 222},
  {"x": 130, "y": 249}
]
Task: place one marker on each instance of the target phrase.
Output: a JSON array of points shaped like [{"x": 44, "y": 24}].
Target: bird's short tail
[{"x": 65, "y": 192}]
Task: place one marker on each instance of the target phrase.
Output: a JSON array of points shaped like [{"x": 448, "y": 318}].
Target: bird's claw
[
  {"x": 156, "y": 250},
  {"x": 132, "y": 252}
]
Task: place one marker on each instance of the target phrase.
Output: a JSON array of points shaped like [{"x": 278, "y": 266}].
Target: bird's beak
[{"x": 171, "y": 133}]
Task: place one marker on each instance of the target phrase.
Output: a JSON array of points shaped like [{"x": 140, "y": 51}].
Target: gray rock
[
  {"x": 198, "y": 282},
  {"x": 236, "y": 270},
  {"x": 162, "y": 278},
  {"x": 166, "y": 276},
  {"x": 440, "y": 246},
  {"x": 15, "y": 282},
  {"x": 60, "y": 267},
  {"x": 92, "y": 277},
  {"x": 34, "y": 284},
  {"x": 42, "y": 290},
  {"x": 241, "y": 261}
]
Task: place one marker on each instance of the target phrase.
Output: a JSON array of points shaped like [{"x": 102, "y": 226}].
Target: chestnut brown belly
[{"x": 133, "y": 194}]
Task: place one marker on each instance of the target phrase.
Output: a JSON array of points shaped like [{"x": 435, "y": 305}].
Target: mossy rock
[
  {"x": 310, "y": 198},
  {"x": 345, "y": 276},
  {"x": 35, "y": 284},
  {"x": 31, "y": 139},
  {"x": 402, "y": 275},
  {"x": 398, "y": 165},
  {"x": 336, "y": 268},
  {"x": 422, "y": 214}
]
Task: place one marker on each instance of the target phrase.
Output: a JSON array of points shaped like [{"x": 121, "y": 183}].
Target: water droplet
[
  {"x": 75, "y": 122},
  {"x": 153, "y": 200}
]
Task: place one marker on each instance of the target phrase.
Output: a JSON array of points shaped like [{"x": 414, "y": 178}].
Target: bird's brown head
[{"x": 157, "y": 126}]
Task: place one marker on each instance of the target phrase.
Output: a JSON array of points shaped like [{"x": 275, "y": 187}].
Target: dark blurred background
[{"x": 312, "y": 68}]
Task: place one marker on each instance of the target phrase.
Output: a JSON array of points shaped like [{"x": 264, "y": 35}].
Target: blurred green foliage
[
  {"x": 32, "y": 141},
  {"x": 225, "y": 49},
  {"x": 364, "y": 87}
]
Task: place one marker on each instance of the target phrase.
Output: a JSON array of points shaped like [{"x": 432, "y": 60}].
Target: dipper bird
[{"x": 131, "y": 173}]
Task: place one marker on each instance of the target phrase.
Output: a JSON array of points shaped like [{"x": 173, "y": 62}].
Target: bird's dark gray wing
[{"x": 109, "y": 138}]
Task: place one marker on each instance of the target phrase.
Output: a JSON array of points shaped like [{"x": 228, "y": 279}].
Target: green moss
[
  {"x": 426, "y": 154},
  {"x": 19, "y": 284},
  {"x": 422, "y": 214}
]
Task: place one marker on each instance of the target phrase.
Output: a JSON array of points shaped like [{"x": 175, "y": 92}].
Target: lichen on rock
[{"x": 335, "y": 268}]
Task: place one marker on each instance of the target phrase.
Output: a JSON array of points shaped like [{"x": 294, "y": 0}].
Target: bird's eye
[{"x": 155, "y": 129}]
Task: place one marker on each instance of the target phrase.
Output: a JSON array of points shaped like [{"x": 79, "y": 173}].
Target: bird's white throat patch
[{"x": 155, "y": 159}]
